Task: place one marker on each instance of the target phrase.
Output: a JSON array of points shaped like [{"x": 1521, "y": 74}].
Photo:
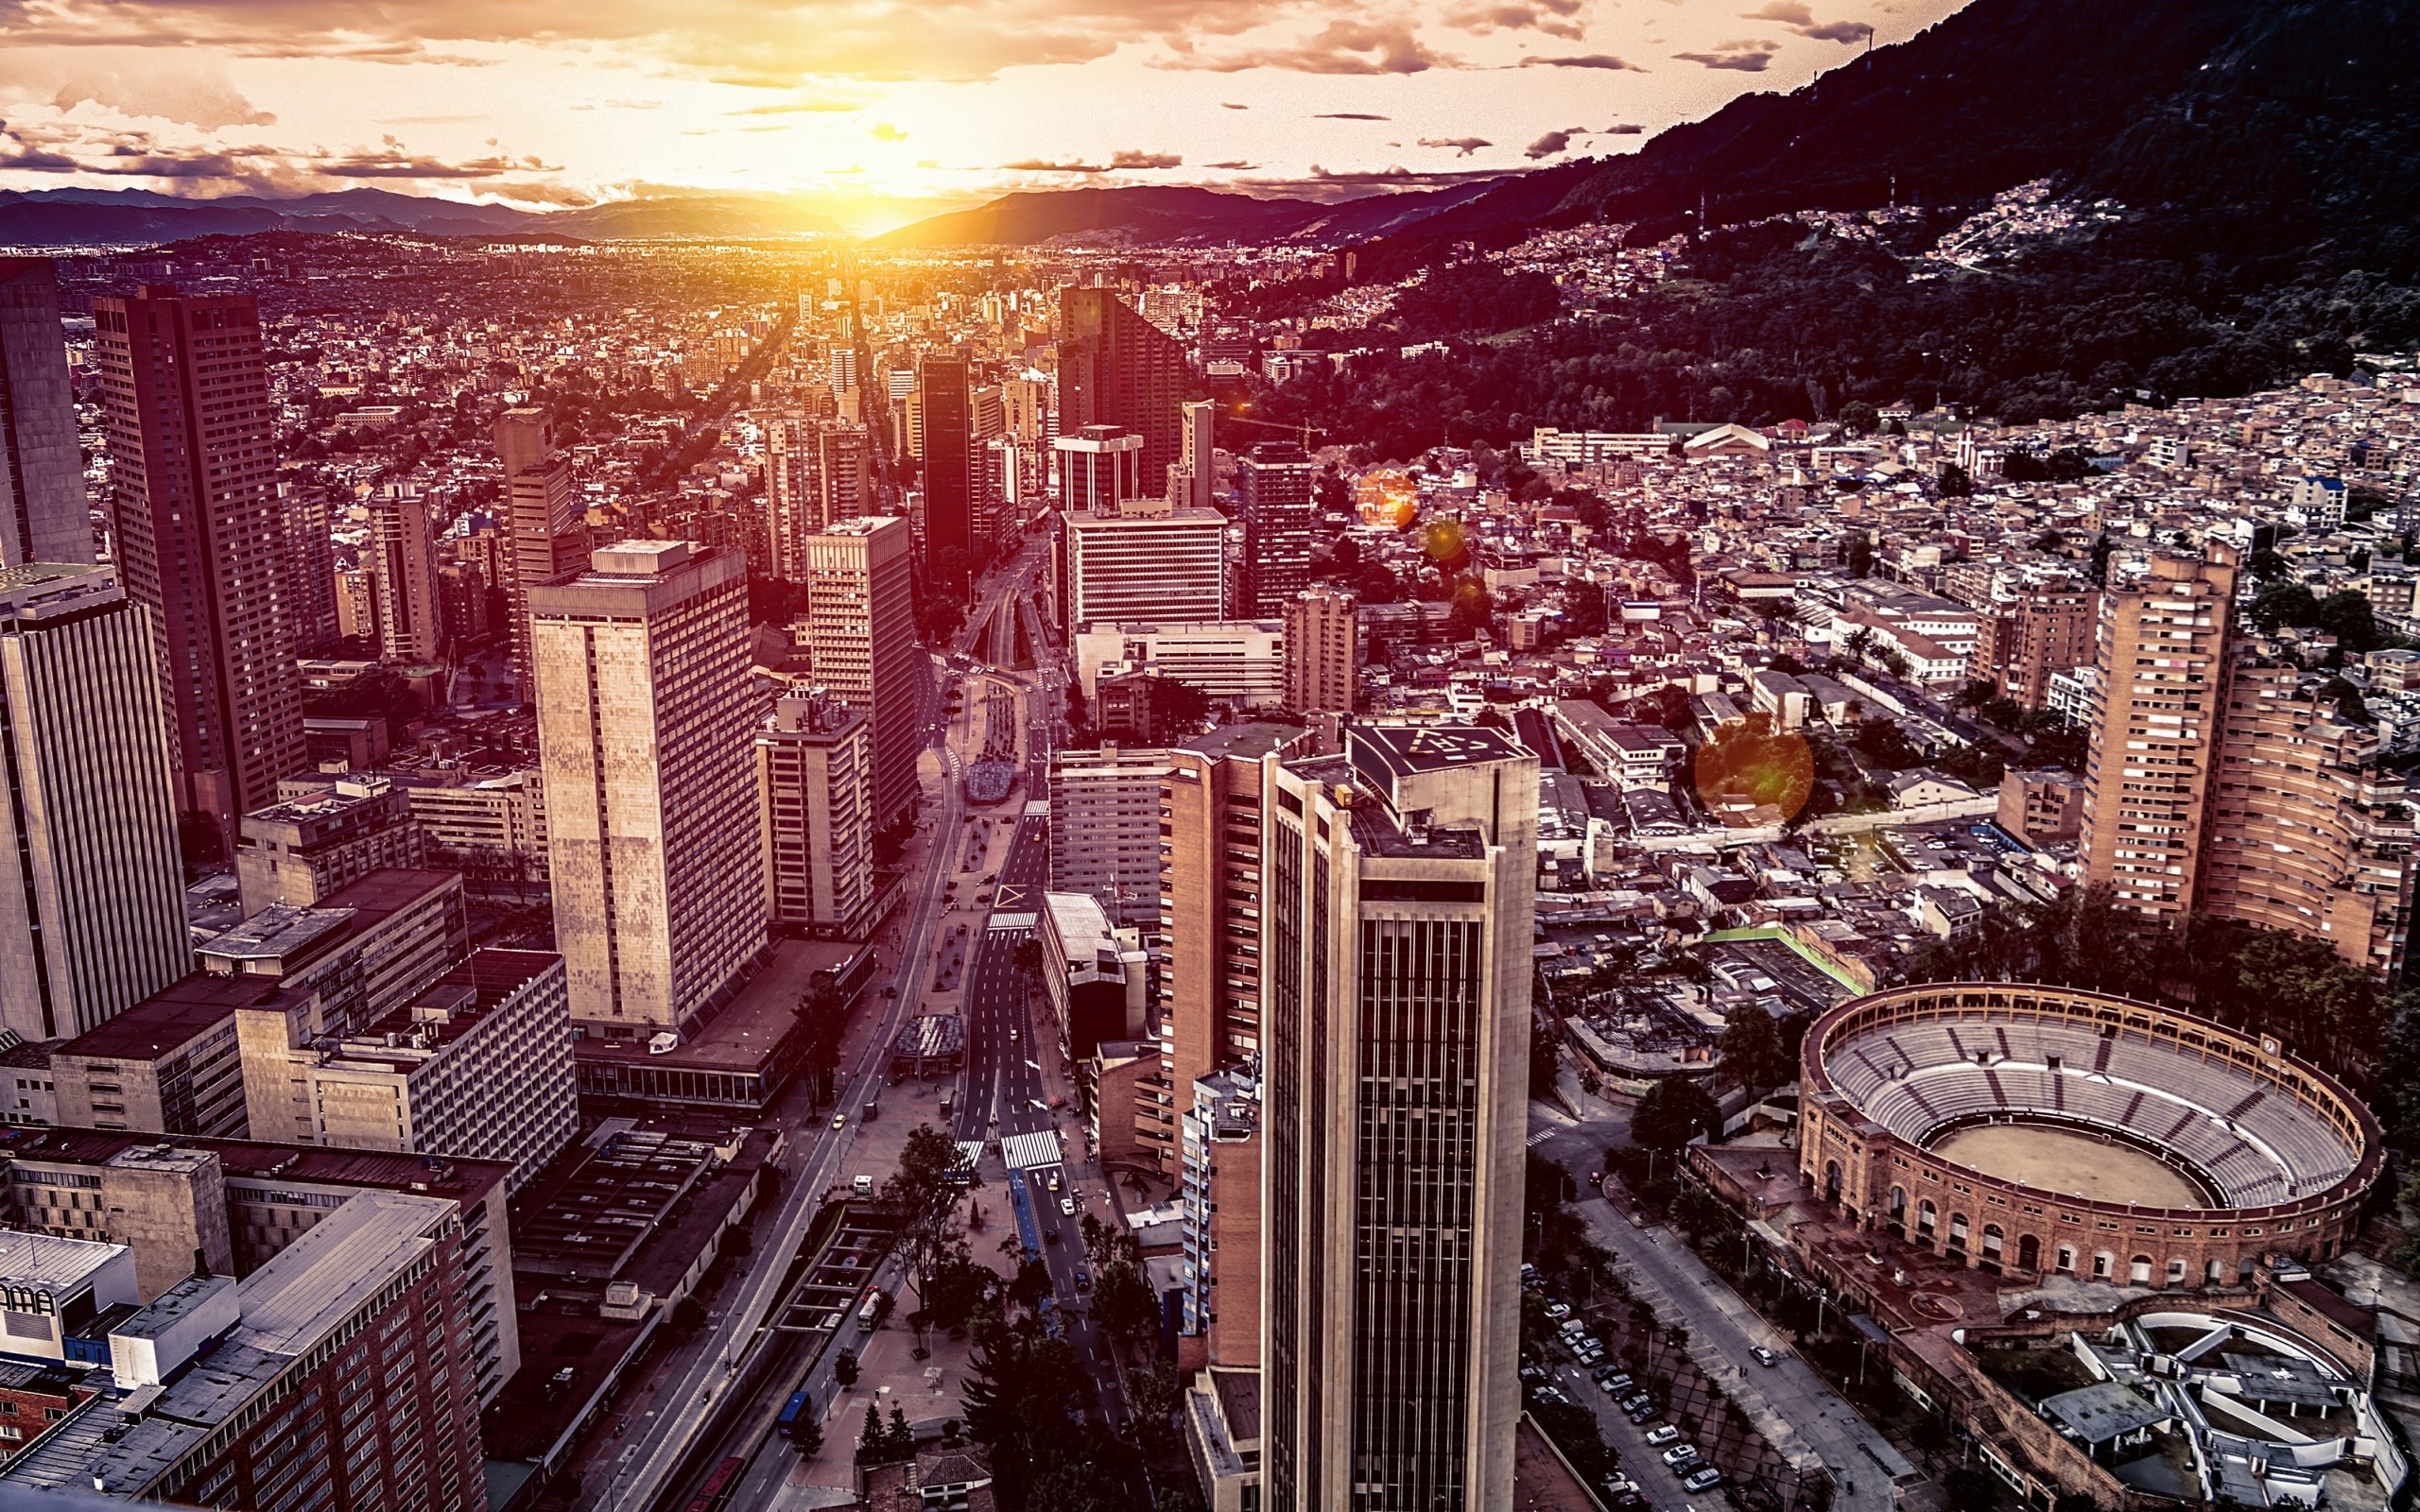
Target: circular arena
[{"x": 2035, "y": 1129}]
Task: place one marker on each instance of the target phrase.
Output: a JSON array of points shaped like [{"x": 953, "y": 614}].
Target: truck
[{"x": 869, "y": 1110}]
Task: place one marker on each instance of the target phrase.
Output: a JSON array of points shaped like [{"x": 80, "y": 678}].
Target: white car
[
  {"x": 1067, "y": 1207},
  {"x": 1680, "y": 1454},
  {"x": 1662, "y": 1433}
]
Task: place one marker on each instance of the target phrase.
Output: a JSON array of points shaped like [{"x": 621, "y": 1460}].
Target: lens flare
[
  {"x": 1441, "y": 540},
  {"x": 1386, "y": 498},
  {"x": 1751, "y": 775}
]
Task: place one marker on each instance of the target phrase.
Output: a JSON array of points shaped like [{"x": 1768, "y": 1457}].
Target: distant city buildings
[{"x": 44, "y": 517}]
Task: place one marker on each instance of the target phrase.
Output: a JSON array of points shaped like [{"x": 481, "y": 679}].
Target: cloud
[
  {"x": 1553, "y": 17},
  {"x": 1045, "y": 166},
  {"x": 1350, "y": 115},
  {"x": 1606, "y": 60},
  {"x": 391, "y": 161},
  {"x": 1745, "y": 56},
  {"x": 1840, "y": 31},
  {"x": 885, "y": 132},
  {"x": 133, "y": 82},
  {"x": 1131, "y": 158},
  {"x": 1464, "y": 146},
  {"x": 1231, "y": 105},
  {"x": 1800, "y": 18},
  {"x": 1552, "y": 143},
  {"x": 1788, "y": 12},
  {"x": 1623, "y": 129},
  {"x": 1344, "y": 47},
  {"x": 1233, "y": 165}
]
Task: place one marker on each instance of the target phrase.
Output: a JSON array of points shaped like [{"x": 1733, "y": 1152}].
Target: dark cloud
[
  {"x": 1233, "y": 106},
  {"x": 391, "y": 161},
  {"x": 1840, "y": 31},
  {"x": 1233, "y": 167},
  {"x": 1606, "y": 60},
  {"x": 1553, "y": 17},
  {"x": 1744, "y": 57},
  {"x": 1350, "y": 115},
  {"x": 1131, "y": 158},
  {"x": 1464, "y": 146},
  {"x": 1552, "y": 143},
  {"x": 1624, "y": 128}
]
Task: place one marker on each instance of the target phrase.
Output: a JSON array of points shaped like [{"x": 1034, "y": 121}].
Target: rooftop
[
  {"x": 170, "y": 1019},
  {"x": 1401, "y": 750},
  {"x": 49, "y": 1264}
]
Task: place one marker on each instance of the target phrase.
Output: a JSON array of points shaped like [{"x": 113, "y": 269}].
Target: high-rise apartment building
[
  {"x": 859, "y": 631},
  {"x": 948, "y": 457},
  {"x": 544, "y": 524},
  {"x": 2027, "y": 639},
  {"x": 1281, "y": 527},
  {"x": 403, "y": 548},
  {"x": 793, "y": 508},
  {"x": 1117, "y": 369},
  {"x": 2307, "y": 831},
  {"x": 43, "y": 516},
  {"x": 1396, "y": 1033},
  {"x": 1191, "y": 484},
  {"x": 1322, "y": 651},
  {"x": 307, "y": 516},
  {"x": 193, "y": 474},
  {"x": 815, "y": 783},
  {"x": 1105, "y": 831},
  {"x": 2158, "y": 709},
  {"x": 1218, "y": 1192},
  {"x": 1025, "y": 407},
  {"x": 642, "y": 734},
  {"x": 92, "y": 887}
]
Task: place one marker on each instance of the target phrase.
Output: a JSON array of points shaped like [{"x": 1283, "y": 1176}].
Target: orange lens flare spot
[
  {"x": 1386, "y": 498},
  {"x": 1441, "y": 540},
  {"x": 1751, "y": 776}
]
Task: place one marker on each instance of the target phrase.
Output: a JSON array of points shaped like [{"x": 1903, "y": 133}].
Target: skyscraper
[
  {"x": 1191, "y": 484},
  {"x": 2157, "y": 708},
  {"x": 1322, "y": 651},
  {"x": 793, "y": 507},
  {"x": 859, "y": 632},
  {"x": 843, "y": 472},
  {"x": 310, "y": 566},
  {"x": 403, "y": 545},
  {"x": 815, "y": 778},
  {"x": 1131, "y": 567},
  {"x": 643, "y": 732},
  {"x": 1117, "y": 369},
  {"x": 44, "y": 517},
  {"x": 544, "y": 528},
  {"x": 1101, "y": 470},
  {"x": 1396, "y": 1035},
  {"x": 92, "y": 889},
  {"x": 1281, "y": 527},
  {"x": 948, "y": 454},
  {"x": 193, "y": 470},
  {"x": 2033, "y": 636}
]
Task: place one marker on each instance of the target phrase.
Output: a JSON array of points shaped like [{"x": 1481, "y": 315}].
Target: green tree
[
  {"x": 2347, "y": 616},
  {"x": 1967, "y": 1490},
  {"x": 1751, "y": 1049},
  {"x": 2284, "y": 604},
  {"x": 1858, "y": 418},
  {"x": 1546, "y": 1061},
  {"x": 1698, "y": 1211},
  {"x": 806, "y": 1436},
  {"x": 1674, "y": 1111},
  {"x": 923, "y": 1191}
]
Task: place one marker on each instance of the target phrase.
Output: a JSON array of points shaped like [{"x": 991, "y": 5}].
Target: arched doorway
[
  {"x": 1831, "y": 1180},
  {"x": 1896, "y": 1214},
  {"x": 2138, "y": 1270},
  {"x": 2028, "y": 1252}
]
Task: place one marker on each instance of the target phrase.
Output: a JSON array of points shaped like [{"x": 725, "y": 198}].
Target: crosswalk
[
  {"x": 1028, "y": 1152},
  {"x": 1540, "y": 1137}
]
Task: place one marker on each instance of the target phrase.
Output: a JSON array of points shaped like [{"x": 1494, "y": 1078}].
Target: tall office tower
[
  {"x": 1211, "y": 829},
  {"x": 844, "y": 474},
  {"x": 92, "y": 888},
  {"x": 310, "y": 565},
  {"x": 843, "y": 362},
  {"x": 544, "y": 521},
  {"x": 2156, "y": 711},
  {"x": 193, "y": 468},
  {"x": 403, "y": 546},
  {"x": 793, "y": 495},
  {"x": 2027, "y": 639},
  {"x": 814, "y": 786},
  {"x": 1025, "y": 407},
  {"x": 44, "y": 517},
  {"x": 948, "y": 457},
  {"x": 1322, "y": 651},
  {"x": 1130, "y": 568},
  {"x": 1101, "y": 470},
  {"x": 2307, "y": 829},
  {"x": 1395, "y": 1007},
  {"x": 1281, "y": 527},
  {"x": 859, "y": 634},
  {"x": 643, "y": 734},
  {"x": 986, "y": 413},
  {"x": 1191, "y": 484},
  {"x": 1117, "y": 369}
]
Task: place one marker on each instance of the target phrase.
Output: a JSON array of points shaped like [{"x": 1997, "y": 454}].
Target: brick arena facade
[{"x": 2282, "y": 1154}]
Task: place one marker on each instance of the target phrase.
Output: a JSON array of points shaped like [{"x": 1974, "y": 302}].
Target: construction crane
[{"x": 1304, "y": 431}]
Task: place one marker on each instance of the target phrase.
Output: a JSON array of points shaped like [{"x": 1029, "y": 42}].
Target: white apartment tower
[{"x": 859, "y": 631}]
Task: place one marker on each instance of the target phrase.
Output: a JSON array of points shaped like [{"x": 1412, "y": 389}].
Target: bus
[
  {"x": 795, "y": 1413},
  {"x": 715, "y": 1494},
  {"x": 869, "y": 1311}
]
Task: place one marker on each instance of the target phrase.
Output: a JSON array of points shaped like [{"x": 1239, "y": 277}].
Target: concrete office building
[
  {"x": 1281, "y": 527},
  {"x": 2156, "y": 712},
  {"x": 44, "y": 517},
  {"x": 479, "y": 1064},
  {"x": 334, "y": 1378},
  {"x": 651, "y": 833},
  {"x": 1093, "y": 974},
  {"x": 492, "y": 825},
  {"x": 198, "y": 540},
  {"x": 1101, "y": 470},
  {"x": 1322, "y": 651},
  {"x": 1164, "y": 567},
  {"x": 859, "y": 632},
  {"x": 92, "y": 904},
  {"x": 815, "y": 787},
  {"x": 403, "y": 545},
  {"x": 1193, "y": 481},
  {"x": 1117, "y": 369},
  {"x": 1234, "y": 661},
  {"x": 321, "y": 836},
  {"x": 169, "y": 1065},
  {"x": 355, "y": 957},
  {"x": 1395, "y": 1000},
  {"x": 545, "y": 526},
  {"x": 1105, "y": 828}
]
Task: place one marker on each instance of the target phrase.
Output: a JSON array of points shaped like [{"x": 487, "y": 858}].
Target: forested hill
[{"x": 2306, "y": 109}]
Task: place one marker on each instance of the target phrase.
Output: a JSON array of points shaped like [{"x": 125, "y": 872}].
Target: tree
[
  {"x": 1545, "y": 1060},
  {"x": 1674, "y": 1111},
  {"x": 2347, "y": 616},
  {"x": 845, "y": 1367},
  {"x": 1955, "y": 484},
  {"x": 1751, "y": 1049},
  {"x": 1696, "y": 1211},
  {"x": 806, "y": 1436},
  {"x": 2284, "y": 604},
  {"x": 925, "y": 1191},
  {"x": 1967, "y": 1490},
  {"x": 1858, "y": 418}
]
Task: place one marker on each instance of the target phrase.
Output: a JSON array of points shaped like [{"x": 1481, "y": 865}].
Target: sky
[{"x": 874, "y": 113}]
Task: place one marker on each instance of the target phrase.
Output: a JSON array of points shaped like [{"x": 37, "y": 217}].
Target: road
[
  {"x": 1790, "y": 1404},
  {"x": 703, "y": 1374}
]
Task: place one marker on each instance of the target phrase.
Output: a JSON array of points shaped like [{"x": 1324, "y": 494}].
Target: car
[
  {"x": 1084, "y": 1280},
  {"x": 1558, "y": 1311},
  {"x": 1635, "y": 1401},
  {"x": 1619, "y": 1485},
  {"x": 1619, "y": 1383},
  {"x": 1705, "y": 1478},
  {"x": 840, "y": 1121},
  {"x": 1604, "y": 1374},
  {"x": 1662, "y": 1433},
  {"x": 1679, "y": 1455},
  {"x": 1534, "y": 1372},
  {"x": 1051, "y": 1180},
  {"x": 1552, "y": 1393},
  {"x": 1641, "y": 1415},
  {"x": 1012, "y": 1037},
  {"x": 1067, "y": 1207},
  {"x": 1616, "y": 1392},
  {"x": 1764, "y": 1357}
]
